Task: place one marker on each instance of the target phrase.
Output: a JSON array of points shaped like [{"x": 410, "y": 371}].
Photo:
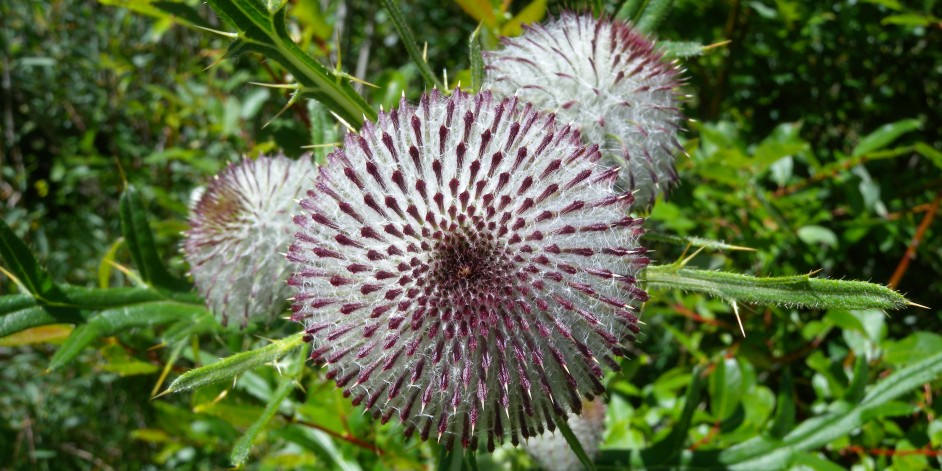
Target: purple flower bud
[
  {"x": 466, "y": 268},
  {"x": 610, "y": 82},
  {"x": 238, "y": 225}
]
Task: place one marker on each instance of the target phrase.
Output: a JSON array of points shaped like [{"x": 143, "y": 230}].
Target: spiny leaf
[
  {"x": 113, "y": 321},
  {"x": 242, "y": 447},
  {"x": 680, "y": 49},
  {"x": 264, "y": 30},
  {"x": 476, "y": 58},
  {"x": 654, "y": 13},
  {"x": 799, "y": 291},
  {"x": 233, "y": 365},
  {"x": 19, "y": 259}
]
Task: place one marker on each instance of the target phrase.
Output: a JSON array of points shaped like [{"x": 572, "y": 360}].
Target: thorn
[
  {"x": 216, "y": 31},
  {"x": 344, "y": 122},
  {"x": 687, "y": 260},
  {"x": 425, "y": 52},
  {"x": 716, "y": 45},
  {"x": 815, "y": 272},
  {"x": 319, "y": 146},
  {"x": 293, "y": 100},
  {"x": 215, "y": 63},
  {"x": 910, "y": 303},
  {"x": 738, "y": 319},
  {"x": 287, "y": 86}
]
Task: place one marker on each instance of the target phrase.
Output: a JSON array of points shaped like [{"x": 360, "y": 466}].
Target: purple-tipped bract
[
  {"x": 608, "y": 80},
  {"x": 238, "y": 226},
  {"x": 466, "y": 268}
]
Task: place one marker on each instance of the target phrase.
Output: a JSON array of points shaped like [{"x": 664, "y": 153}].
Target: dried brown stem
[{"x": 914, "y": 244}]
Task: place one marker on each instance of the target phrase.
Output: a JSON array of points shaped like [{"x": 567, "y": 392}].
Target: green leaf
[
  {"x": 451, "y": 460},
  {"x": 242, "y": 447},
  {"x": 815, "y": 462},
  {"x": 762, "y": 453},
  {"x": 930, "y": 153},
  {"x": 801, "y": 291},
  {"x": 408, "y": 40},
  {"x": 532, "y": 13},
  {"x": 119, "y": 361},
  {"x": 912, "y": 348},
  {"x": 22, "y": 264},
  {"x": 264, "y": 30},
  {"x": 884, "y": 136},
  {"x": 107, "y": 262},
  {"x": 909, "y": 19},
  {"x": 725, "y": 388},
  {"x": 654, "y": 13},
  {"x": 113, "y": 321},
  {"x": 574, "y": 444},
  {"x": 476, "y": 58},
  {"x": 234, "y": 365},
  {"x": 35, "y": 316},
  {"x": 140, "y": 239},
  {"x": 74, "y": 305},
  {"x": 817, "y": 235},
  {"x": 629, "y": 10},
  {"x": 668, "y": 449},
  {"x": 784, "y": 419}
]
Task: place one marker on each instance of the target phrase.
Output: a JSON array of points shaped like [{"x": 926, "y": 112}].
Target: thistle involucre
[
  {"x": 466, "y": 268},
  {"x": 238, "y": 226},
  {"x": 607, "y": 79}
]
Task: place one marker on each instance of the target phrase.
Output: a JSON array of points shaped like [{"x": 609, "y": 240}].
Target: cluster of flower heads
[
  {"x": 607, "y": 79},
  {"x": 467, "y": 268},
  {"x": 238, "y": 226},
  {"x": 465, "y": 265}
]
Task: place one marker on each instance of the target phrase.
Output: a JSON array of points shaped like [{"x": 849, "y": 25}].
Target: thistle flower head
[
  {"x": 466, "y": 268},
  {"x": 552, "y": 452},
  {"x": 238, "y": 224},
  {"x": 607, "y": 79}
]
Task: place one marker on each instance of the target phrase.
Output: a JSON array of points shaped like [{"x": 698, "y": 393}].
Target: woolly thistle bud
[
  {"x": 238, "y": 225},
  {"x": 607, "y": 79},
  {"x": 466, "y": 267},
  {"x": 551, "y": 450}
]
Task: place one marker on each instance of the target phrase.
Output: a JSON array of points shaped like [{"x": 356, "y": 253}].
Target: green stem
[{"x": 408, "y": 39}]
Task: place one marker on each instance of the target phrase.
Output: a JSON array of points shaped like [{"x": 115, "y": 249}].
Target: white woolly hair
[
  {"x": 608, "y": 80},
  {"x": 465, "y": 266},
  {"x": 238, "y": 225}
]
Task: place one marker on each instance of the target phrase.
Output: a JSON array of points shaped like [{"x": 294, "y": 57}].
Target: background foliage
[{"x": 816, "y": 142}]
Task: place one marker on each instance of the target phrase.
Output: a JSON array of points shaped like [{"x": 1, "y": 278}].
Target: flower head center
[{"x": 468, "y": 263}]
